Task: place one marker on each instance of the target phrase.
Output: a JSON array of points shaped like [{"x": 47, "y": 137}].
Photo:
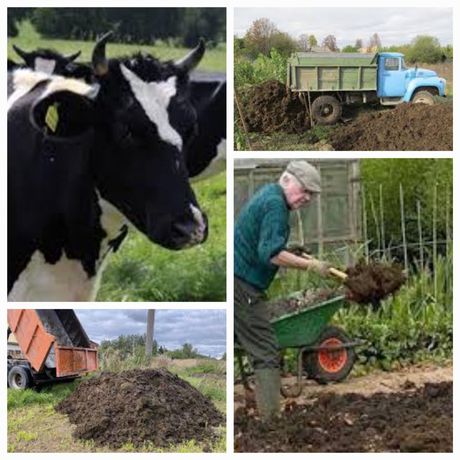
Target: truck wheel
[
  {"x": 330, "y": 366},
  {"x": 19, "y": 378},
  {"x": 326, "y": 110},
  {"x": 423, "y": 97}
]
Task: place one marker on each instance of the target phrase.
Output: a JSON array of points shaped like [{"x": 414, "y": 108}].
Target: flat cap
[{"x": 306, "y": 174}]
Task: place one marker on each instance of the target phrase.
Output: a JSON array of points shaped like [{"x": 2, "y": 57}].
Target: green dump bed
[{"x": 332, "y": 72}]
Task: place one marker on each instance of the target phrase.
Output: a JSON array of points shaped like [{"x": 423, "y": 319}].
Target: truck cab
[{"x": 397, "y": 83}]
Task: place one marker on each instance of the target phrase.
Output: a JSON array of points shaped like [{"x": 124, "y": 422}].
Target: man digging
[{"x": 261, "y": 235}]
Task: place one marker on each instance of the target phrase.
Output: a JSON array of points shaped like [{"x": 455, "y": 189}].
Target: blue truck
[{"x": 326, "y": 81}]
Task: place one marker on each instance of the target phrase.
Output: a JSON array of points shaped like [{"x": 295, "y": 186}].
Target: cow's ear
[{"x": 63, "y": 114}]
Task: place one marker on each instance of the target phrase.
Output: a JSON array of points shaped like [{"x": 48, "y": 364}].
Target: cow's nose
[
  {"x": 200, "y": 233},
  {"x": 186, "y": 233}
]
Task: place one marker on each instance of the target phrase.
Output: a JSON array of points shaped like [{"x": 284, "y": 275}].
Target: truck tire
[
  {"x": 423, "y": 97},
  {"x": 326, "y": 110},
  {"x": 19, "y": 378},
  {"x": 330, "y": 366}
]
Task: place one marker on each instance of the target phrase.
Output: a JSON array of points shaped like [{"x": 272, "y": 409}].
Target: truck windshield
[{"x": 403, "y": 64}]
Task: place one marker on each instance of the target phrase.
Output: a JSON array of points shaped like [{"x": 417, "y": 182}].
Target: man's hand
[{"x": 320, "y": 267}]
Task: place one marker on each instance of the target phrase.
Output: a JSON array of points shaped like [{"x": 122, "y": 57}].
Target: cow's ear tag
[{"x": 52, "y": 117}]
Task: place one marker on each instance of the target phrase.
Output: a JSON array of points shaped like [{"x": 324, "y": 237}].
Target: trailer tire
[
  {"x": 326, "y": 110},
  {"x": 330, "y": 366},
  {"x": 423, "y": 97},
  {"x": 19, "y": 378}
]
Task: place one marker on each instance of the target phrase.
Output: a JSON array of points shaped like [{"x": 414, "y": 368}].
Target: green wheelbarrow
[{"x": 325, "y": 353}]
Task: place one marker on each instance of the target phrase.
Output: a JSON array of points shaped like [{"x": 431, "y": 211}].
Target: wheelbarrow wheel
[{"x": 326, "y": 366}]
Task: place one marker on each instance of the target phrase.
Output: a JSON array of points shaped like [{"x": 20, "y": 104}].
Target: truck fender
[{"x": 432, "y": 82}]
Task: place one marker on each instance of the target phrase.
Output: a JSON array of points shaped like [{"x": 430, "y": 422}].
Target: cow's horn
[
  {"x": 73, "y": 56},
  {"x": 193, "y": 58},
  {"x": 99, "y": 60},
  {"x": 24, "y": 54}
]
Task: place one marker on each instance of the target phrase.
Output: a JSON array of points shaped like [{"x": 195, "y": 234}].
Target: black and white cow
[
  {"x": 206, "y": 155},
  {"x": 206, "y": 151},
  {"x": 51, "y": 62},
  {"x": 83, "y": 160}
]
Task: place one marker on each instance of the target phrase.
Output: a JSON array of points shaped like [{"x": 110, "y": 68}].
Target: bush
[
  {"x": 425, "y": 48},
  {"x": 262, "y": 69}
]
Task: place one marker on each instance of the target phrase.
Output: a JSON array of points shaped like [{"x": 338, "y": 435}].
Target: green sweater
[{"x": 261, "y": 232}]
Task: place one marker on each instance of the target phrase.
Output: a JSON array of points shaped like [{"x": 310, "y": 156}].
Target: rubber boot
[{"x": 268, "y": 383}]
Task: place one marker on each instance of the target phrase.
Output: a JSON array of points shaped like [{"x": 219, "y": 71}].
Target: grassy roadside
[{"x": 34, "y": 425}]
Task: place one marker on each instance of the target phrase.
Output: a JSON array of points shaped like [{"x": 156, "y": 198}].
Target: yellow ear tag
[{"x": 52, "y": 117}]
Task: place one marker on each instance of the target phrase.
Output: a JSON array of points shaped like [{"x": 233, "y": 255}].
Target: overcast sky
[
  {"x": 204, "y": 329},
  {"x": 395, "y": 26}
]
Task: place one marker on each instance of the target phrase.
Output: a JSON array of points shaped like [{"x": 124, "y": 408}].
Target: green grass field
[
  {"x": 28, "y": 39},
  {"x": 34, "y": 425},
  {"x": 142, "y": 271}
]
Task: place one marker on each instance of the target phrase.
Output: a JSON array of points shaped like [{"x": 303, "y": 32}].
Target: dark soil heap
[
  {"x": 405, "y": 127},
  {"x": 416, "y": 420},
  {"x": 268, "y": 107},
  {"x": 369, "y": 283},
  {"x": 140, "y": 405}
]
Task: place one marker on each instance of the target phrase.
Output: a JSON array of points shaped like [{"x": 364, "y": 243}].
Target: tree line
[
  {"x": 134, "y": 345},
  {"x": 263, "y": 36},
  {"x": 182, "y": 26}
]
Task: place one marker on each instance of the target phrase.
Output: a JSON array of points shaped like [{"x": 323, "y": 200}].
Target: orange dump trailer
[{"x": 53, "y": 346}]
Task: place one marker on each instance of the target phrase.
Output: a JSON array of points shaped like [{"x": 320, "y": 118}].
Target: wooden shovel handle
[{"x": 339, "y": 274}]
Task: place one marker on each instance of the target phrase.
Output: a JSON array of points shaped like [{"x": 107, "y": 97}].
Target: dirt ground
[
  {"x": 140, "y": 405},
  {"x": 405, "y": 411},
  {"x": 269, "y": 109},
  {"x": 405, "y": 127}
]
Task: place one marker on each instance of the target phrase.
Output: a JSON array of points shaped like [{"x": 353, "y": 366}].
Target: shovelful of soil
[
  {"x": 138, "y": 406},
  {"x": 370, "y": 283}
]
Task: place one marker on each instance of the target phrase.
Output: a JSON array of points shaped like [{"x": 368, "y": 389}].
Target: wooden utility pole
[{"x": 149, "y": 334}]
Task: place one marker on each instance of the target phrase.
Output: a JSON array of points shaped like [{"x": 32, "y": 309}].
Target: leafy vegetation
[
  {"x": 182, "y": 26},
  {"x": 415, "y": 325},
  {"x": 426, "y": 183},
  {"x": 263, "y": 68}
]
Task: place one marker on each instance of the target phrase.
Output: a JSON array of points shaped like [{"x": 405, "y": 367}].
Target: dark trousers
[{"x": 253, "y": 330}]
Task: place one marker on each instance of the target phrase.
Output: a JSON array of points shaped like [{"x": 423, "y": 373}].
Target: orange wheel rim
[{"x": 332, "y": 360}]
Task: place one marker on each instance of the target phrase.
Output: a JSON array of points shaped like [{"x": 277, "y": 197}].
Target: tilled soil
[
  {"x": 411, "y": 420},
  {"x": 370, "y": 283},
  {"x": 138, "y": 406},
  {"x": 405, "y": 127},
  {"x": 269, "y": 107}
]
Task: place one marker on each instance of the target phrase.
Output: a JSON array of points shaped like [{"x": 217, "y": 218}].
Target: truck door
[{"x": 391, "y": 77}]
